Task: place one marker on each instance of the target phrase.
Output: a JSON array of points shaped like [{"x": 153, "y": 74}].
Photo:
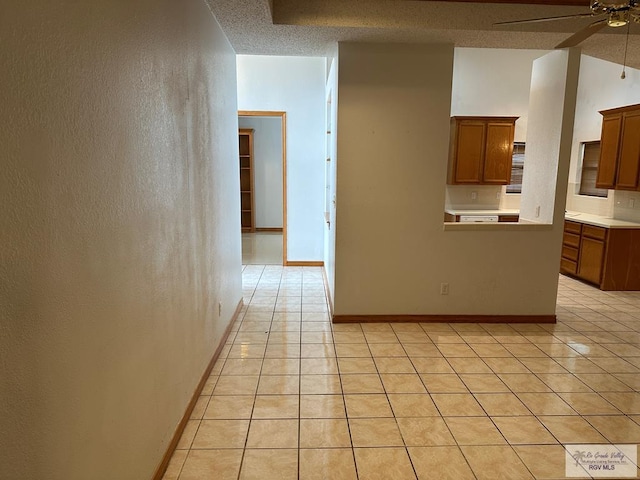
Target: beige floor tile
[
  {"x": 375, "y": 432},
  {"x": 317, "y": 350},
  {"x": 367, "y": 405},
  {"x": 347, "y": 327},
  {"x": 431, "y": 365},
  {"x": 322, "y": 406},
  {"x": 276, "y": 406},
  {"x": 469, "y": 365},
  {"x": 251, "y": 337},
  {"x": 407, "y": 327},
  {"x": 615, "y": 365},
  {"x": 441, "y": 338},
  {"x": 247, "y": 351},
  {"x": 589, "y": 404},
  {"x": 543, "y": 365},
  {"x": 442, "y": 463},
  {"x": 475, "y": 431},
  {"x": 387, "y": 350},
  {"x": 188, "y": 434},
  {"x": 402, "y": 383},
  {"x": 484, "y": 383},
  {"x": 348, "y": 365},
  {"x": 524, "y": 350},
  {"x": 452, "y": 350},
  {"x": 626, "y": 402},
  {"x": 479, "y": 338},
  {"x": 229, "y": 407},
  {"x": 579, "y": 365},
  {"x": 616, "y": 428},
  {"x": 349, "y": 337},
  {"x": 632, "y": 380},
  {"x": 324, "y": 433},
  {"x": 175, "y": 465},
  {"x": 414, "y": 338},
  {"x": 261, "y": 464},
  {"x": 318, "y": 337},
  {"x": 443, "y": 383},
  {"x": 412, "y": 405},
  {"x": 523, "y": 430},
  {"x": 563, "y": 382},
  {"x": 546, "y": 404},
  {"x": 383, "y": 464},
  {"x": 361, "y": 383},
  {"x": 327, "y": 463},
  {"x": 221, "y": 434},
  {"x": 526, "y": 382},
  {"x": 457, "y": 405},
  {"x": 571, "y": 429},
  {"x": 394, "y": 365},
  {"x": 490, "y": 350},
  {"x": 222, "y": 464},
  {"x": 209, "y": 385},
  {"x": 510, "y": 338},
  {"x": 352, "y": 350},
  {"x": 236, "y": 385},
  {"x": 282, "y": 350},
  {"x": 320, "y": 384},
  {"x": 273, "y": 434},
  {"x": 420, "y": 350},
  {"x": 505, "y": 365},
  {"x": 381, "y": 337},
  {"x": 279, "y": 385},
  {"x": 200, "y": 407},
  {"x": 281, "y": 366},
  {"x": 425, "y": 431},
  {"x": 495, "y": 462},
  {"x": 377, "y": 327},
  {"x": 315, "y": 366},
  {"x": 501, "y": 404},
  {"x": 604, "y": 382},
  {"x": 546, "y": 462}
]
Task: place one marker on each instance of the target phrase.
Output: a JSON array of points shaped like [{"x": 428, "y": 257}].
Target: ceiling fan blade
[
  {"x": 545, "y": 19},
  {"x": 583, "y": 34}
]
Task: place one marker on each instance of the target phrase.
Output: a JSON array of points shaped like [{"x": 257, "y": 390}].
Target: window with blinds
[
  {"x": 517, "y": 168},
  {"x": 590, "y": 157}
]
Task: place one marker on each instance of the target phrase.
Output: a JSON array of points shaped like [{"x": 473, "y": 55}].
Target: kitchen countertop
[
  {"x": 482, "y": 212},
  {"x": 599, "y": 221}
]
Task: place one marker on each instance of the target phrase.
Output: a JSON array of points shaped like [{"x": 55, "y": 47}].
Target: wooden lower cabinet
[{"x": 606, "y": 257}]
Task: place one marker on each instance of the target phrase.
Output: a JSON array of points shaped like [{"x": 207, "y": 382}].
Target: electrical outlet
[
  {"x": 498, "y": 195},
  {"x": 632, "y": 202},
  {"x": 444, "y": 289},
  {"x": 219, "y": 309},
  {"x": 537, "y": 211},
  {"x": 474, "y": 195}
]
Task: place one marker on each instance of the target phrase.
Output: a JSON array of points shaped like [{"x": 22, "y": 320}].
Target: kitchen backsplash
[
  {"x": 626, "y": 205},
  {"x": 473, "y": 197}
]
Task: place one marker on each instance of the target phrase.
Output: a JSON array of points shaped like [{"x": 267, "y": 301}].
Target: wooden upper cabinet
[
  {"x": 619, "y": 165},
  {"x": 629, "y": 158},
  {"x": 609, "y": 143},
  {"x": 481, "y": 150}
]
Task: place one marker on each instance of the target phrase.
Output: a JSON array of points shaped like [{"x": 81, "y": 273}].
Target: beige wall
[
  {"x": 392, "y": 252},
  {"x": 119, "y": 229}
]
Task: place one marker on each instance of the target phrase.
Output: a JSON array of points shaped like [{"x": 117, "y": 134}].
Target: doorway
[{"x": 267, "y": 242}]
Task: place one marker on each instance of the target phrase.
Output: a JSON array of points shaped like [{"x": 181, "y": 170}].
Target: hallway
[{"x": 293, "y": 396}]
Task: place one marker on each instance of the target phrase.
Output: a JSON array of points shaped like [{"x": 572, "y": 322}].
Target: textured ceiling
[{"x": 312, "y": 27}]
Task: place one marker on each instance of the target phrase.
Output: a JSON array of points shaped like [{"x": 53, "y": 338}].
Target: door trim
[{"x": 283, "y": 117}]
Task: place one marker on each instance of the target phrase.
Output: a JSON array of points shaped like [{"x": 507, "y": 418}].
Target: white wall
[
  {"x": 119, "y": 227},
  {"x": 391, "y": 250},
  {"x": 267, "y": 169},
  {"x": 600, "y": 87},
  {"x": 490, "y": 82},
  {"x": 295, "y": 85},
  {"x": 552, "y": 104}
]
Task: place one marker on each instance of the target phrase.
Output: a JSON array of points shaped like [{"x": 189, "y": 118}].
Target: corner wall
[
  {"x": 392, "y": 252},
  {"x": 119, "y": 229},
  {"x": 295, "y": 85}
]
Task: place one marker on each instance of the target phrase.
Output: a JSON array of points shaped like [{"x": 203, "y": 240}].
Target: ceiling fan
[{"x": 617, "y": 13}]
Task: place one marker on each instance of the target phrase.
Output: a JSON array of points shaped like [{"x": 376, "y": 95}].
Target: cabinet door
[
  {"x": 629, "y": 160},
  {"x": 590, "y": 262},
  {"x": 469, "y": 152},
  {"x": 499, "y": 153},
  {"x": 609, "y": 142}
]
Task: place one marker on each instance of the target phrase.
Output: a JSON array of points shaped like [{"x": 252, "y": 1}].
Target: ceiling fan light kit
[{"x": 617, "y": 14}]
